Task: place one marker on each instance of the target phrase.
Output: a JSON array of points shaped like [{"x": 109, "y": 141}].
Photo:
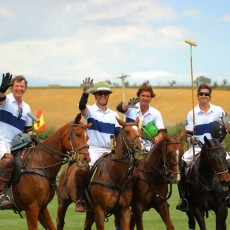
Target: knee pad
[{"x": 6, "y": 166}]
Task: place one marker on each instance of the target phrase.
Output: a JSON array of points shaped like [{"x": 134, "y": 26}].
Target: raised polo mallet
[{"x": 191, "y": 43}]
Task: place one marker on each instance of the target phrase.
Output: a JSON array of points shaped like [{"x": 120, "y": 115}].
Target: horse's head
[
  {"x": 131, "y": 137},
  {"x": 76, "y": 145},
  {"x": 216, "y": 156},
  {"x": 173, "y": 154}
]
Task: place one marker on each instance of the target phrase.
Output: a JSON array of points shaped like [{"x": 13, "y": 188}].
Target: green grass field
[{"x": 74, "y": 220}]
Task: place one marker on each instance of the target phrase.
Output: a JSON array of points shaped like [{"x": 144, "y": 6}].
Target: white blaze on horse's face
[{"x": 135, "y": 127}]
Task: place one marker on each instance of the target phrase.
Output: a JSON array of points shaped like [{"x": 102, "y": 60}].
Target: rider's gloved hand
[
  {"x": 88, "y": 85},
  {"x": 6, "y": 82},
  {"x": 132, "y": 102},
  {"x": 194, "y": 140}
]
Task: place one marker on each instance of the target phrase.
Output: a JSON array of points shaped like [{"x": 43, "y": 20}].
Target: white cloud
[{"x": 49, "y": 40}]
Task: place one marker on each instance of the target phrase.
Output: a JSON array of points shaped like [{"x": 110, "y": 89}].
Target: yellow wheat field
[{"x": 60, "y": 105}]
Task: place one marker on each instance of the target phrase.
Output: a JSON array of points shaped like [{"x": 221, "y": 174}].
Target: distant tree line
[{"x": 197, "y": 81}]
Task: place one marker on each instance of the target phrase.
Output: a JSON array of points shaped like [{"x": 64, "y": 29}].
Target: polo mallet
[{"x": 191, "y": 43}]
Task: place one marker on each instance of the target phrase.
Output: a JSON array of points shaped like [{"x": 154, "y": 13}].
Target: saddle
[{"x": 86, "y": 194}]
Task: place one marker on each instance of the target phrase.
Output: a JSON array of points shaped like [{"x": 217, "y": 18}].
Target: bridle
[
  {"x": 166, "y": 167},
  {"x": 63, "y": 158},
  {"x": 74, "y": 153},
  {"x": 130, "y": 149},
  {"x": 215, "y": 148}
]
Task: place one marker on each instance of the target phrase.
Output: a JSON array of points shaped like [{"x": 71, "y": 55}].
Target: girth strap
[{"x": 37, "y": 171}]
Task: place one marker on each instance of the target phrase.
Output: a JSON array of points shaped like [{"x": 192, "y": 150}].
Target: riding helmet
[
  {"x": 101, "y": 86},
  {"x": 20, "y": 140}
]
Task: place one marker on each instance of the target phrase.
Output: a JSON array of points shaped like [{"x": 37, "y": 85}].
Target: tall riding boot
[
  {"x": 227, "y": 200},
  {"x": 6, "y": 169},
  {"x": 80, "y": 180},
  {"x": 183, "y": 203}
]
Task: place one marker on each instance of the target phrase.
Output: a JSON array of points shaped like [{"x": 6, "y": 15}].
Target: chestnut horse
[
  {"x": 68, "y": 189},
  {"x": 36, "y": 185},
  {"x": 207, "y": 185},
  {"x": 159, "y": 167},
  {"x": 110, "y": 186}
]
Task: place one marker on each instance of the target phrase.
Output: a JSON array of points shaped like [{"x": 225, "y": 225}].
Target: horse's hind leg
[
  {"x": 61, "y": 212},
  {"x": 45, "y": 219}
]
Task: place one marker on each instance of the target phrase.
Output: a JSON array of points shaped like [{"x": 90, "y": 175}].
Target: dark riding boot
[
  {"x": 6, "y": 169},
  {"x": 80, "y": 179},
  {"x": 227, "y": 200},
  {"x": 183, "y": 203}
]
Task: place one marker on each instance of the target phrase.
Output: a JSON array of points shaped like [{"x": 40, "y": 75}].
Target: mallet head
[{"x": 190, "y": 42}]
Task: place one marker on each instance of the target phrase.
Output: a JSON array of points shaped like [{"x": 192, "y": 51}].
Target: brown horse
[
  {"x": 207, "y": 185},
  {"x": 36, "y": 185},
  {"x": 151, "y": 178},
  {"x": 68, "y": 190},
  {"x": 110, "y": 186}
]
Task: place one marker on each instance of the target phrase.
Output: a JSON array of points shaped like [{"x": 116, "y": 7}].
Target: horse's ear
[
  {"x": 165, "y": 136},
  {"x": 182, "y": 135},
  {"x": 121, "y": 122},
  {"x": 206, "y": 140},
  {"x": 137, "y": 120},
  {"x": 77, "y": 119}
]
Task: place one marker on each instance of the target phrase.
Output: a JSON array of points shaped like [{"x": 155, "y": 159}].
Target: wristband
[{"x": 83, "y": 101}]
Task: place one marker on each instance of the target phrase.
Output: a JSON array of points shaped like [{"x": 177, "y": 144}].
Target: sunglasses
[
  {"x": 20, "y": 113},
  {"x": 102, "y": 93},
  {"x": 204, "y": 94}
]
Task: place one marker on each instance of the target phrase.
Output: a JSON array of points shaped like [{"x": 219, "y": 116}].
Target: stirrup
[
  {"x": 5, "y": 202},
  {"x": 182, "y": 205},
  {"x": 227, "y": 202},
  {"x": 80, "y": 206}
]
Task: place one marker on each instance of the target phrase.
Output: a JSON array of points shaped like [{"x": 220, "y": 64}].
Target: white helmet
[{"x": 101, "y": 86}]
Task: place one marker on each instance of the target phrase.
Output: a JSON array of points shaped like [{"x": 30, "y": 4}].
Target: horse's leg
[
  {"x": 199, "y": 215},
  {"x": 99, "y": 218},
  {"x": 163, "y": 210},
  {"x": 137, "y": 217},
  {"x": 221, "y": 216},
  {"x": 32, "y": 217},
  {"x": 61, "y": 212},
  {"x": 191, "y": 219},
  {"x": 89, "y": 220},
  {"x": 122, "y": 219},
  {"x": 45, "y": 219}
]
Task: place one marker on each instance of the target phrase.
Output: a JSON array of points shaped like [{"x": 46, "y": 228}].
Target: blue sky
[{"x": 62, "y": 42}]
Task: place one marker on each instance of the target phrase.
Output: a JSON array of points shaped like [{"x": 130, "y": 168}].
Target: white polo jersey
[
  {"x": 202, "y": 127},
  {"x": 151, "y": 115},
  {"x": 10, "y": 123},
  {"x": 104, "y": 124},
  {"x": 203, "y": 120}
]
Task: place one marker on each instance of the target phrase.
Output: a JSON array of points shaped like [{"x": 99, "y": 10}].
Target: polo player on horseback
[
  {"x": 207, "y": 123},
  {"x": 13, "y": 121},
  {"x": 104, "y": 125}
]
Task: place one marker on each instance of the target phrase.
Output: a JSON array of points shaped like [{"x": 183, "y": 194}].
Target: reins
[{"x": 62, "y": 158}]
